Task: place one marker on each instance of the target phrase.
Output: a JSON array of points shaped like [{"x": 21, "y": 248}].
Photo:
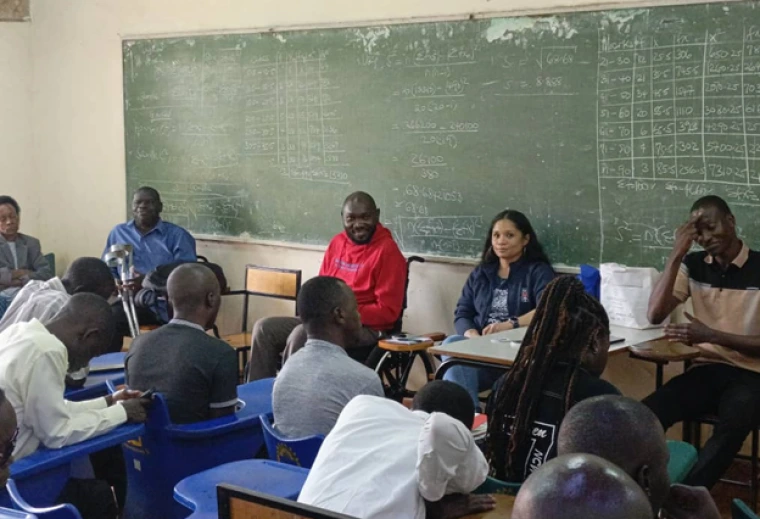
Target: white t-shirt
[
  {"x": 33, "y": 364},
  {"x": 382, "y": 461}
]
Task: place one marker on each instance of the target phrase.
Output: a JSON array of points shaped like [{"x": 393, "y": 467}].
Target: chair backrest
[
  {"x": 168, "y": 453},
  {"x": 398, "y": 325},
  {"x": 64, "y": 511},
  {"x": 239, "y": 503},
  {"x": 295, "y": 451},
  {"x": 739, "y": 510},
  {"x": 272, "y": 282}
]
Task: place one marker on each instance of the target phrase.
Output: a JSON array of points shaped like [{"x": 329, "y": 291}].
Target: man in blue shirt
[{"x": 154, "y": 243}]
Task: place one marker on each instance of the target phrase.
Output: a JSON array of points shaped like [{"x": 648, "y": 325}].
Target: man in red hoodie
[{"x": 365, "y": 256}]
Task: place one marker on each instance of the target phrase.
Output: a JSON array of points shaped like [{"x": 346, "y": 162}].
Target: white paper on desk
[{"x": 625, "y": 294}]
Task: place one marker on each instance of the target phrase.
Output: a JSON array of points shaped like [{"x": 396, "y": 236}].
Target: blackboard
[{"x": 603, "y": 127}]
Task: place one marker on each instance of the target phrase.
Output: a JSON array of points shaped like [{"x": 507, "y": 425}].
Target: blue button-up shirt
[{"x": 165, "y": 243}]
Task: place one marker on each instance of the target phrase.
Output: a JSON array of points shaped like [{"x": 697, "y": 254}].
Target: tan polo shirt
[{"x": 728, "y": 300}]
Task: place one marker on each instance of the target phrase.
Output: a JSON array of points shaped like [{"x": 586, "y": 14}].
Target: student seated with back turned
[
  {"x": 154, "y": 242},
  {"x": 501, "y": 293},
  {"x": 197, "y": 374},
  {"x": 383, "y": 461},
  {"x": 34, "y": 359},
  {"x": 722, "y": 281},
  {"x": 559, "y": 363},
  {"x": 580, "y": 486},
  {"x": 319, "y": 380},
  {"x": 21, "y": 258},
  {"x": 365, "y": 256},
  {"x": 626, "y": 433}
]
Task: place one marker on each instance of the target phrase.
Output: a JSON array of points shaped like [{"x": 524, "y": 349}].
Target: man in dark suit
[{"x": 21, "y": 258}]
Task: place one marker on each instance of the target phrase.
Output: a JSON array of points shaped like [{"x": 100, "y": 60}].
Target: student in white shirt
[
  {"x": 34, "y": 359},
  {"x": 383, "y": 461}
]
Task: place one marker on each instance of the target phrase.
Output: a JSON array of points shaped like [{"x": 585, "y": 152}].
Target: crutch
[{"x": 120, "y": 257}]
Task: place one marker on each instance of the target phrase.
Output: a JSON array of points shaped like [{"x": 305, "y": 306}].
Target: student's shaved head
[
  {"x": 194, "y": 293},
  {"x": 580, "y": 486},
  {"x": 625, "y": 432}
]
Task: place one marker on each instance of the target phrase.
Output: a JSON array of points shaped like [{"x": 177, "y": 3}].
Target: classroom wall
[
  {"x": 17, "y": 173},
  {"x": 78, "y": 120}
]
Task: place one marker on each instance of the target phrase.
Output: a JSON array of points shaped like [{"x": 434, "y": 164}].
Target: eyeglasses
[{"x": 7, "y": 452}]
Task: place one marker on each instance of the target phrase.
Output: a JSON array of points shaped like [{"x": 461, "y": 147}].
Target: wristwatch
[{"x": 515, "y": 322}]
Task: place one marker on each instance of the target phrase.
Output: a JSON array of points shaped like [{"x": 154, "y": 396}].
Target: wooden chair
[
  {"x": 240, "y": 503},
  {"x": 262, "y": 282}
]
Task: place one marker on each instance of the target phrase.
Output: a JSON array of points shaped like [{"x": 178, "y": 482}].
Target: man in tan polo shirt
[{"x": 723, "y": 281}]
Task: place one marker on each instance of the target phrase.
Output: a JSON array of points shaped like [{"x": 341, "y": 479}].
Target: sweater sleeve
[
  {"x": 389, "y": 291},
  {"x": 464, "y": 315}
]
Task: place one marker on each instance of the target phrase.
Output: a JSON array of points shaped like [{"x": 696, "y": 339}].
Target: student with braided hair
[{"x": 559, "y": 363}]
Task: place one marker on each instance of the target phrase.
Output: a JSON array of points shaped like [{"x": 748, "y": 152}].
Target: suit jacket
[{"x": 30, "y": 257}]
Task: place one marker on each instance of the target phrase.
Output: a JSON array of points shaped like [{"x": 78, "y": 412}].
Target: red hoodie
[{"x": 376, "y": 272}]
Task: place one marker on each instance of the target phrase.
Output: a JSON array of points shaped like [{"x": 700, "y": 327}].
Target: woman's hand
[
  {"x": 472, "y": 332},
  {"x": 498, "y": 327}
]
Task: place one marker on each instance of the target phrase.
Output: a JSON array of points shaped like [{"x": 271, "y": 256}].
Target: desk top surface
[
  {"x": 503, "y": 510},
  {"x": 44, "y": 459},
  {"x": 501, "y": 348}
]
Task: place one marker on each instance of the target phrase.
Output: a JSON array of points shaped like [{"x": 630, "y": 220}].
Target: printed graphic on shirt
[
  {"x": 344, "y": 265},
  {"x": 542, "y": 438},
  {"x": 524, "y": 296},
  {"x": 499, "y": 306}
]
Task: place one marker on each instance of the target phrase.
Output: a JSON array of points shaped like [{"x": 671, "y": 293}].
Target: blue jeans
[
  {"x": 474, "y": 380},
  {"x": 5, "y": 302}
]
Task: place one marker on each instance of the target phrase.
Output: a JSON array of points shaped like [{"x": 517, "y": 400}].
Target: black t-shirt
[
  {"x": 192, "y": 370},
  {"x": 542, "y": 444}
]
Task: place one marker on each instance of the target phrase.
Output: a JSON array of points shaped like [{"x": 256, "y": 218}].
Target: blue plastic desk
[
  {"x": 198, "y": 492},
  {"x": 105, "y": 367},
  {"x": 108, "y": 362},
  {"x": 40, "y": 477},
  {"x": 95, "y": 386}
]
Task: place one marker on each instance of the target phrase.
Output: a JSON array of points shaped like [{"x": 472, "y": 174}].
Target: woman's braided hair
[{"x": 567, "y": 322}]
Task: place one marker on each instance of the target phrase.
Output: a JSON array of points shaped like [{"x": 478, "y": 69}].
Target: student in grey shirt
[
  {"x": 317, "y": 382},
  {"x": 196, "y": 373}
]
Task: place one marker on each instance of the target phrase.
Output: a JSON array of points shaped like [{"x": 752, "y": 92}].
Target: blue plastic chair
[
  {"x": 65, "y": 511},
  {"x": 497, "y": 486},
  {"x": 300, "y": 452},
  {"x": 41, "y": 476},
  {"x": 168, "y": 453},
  {"x": 683, "y": 456},
  {"x": 739, "y": 510},
  {"x": 7, "y": 513},
  {"x": 197, "y": 493}
]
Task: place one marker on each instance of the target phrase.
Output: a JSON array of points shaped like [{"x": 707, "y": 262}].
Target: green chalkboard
[{"x": 602, "y": 127}]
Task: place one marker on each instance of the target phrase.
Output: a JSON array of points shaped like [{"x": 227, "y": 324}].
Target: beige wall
[
  {"x": 17, "y": 174},
  {"x": 78, "y": 120}
]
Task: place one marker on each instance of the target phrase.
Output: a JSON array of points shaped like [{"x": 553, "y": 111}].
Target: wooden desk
[
  {"x": 661, "y": 352},
  {"x": 503, "y": 510},
  {"x": 500, "y": 349}
]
